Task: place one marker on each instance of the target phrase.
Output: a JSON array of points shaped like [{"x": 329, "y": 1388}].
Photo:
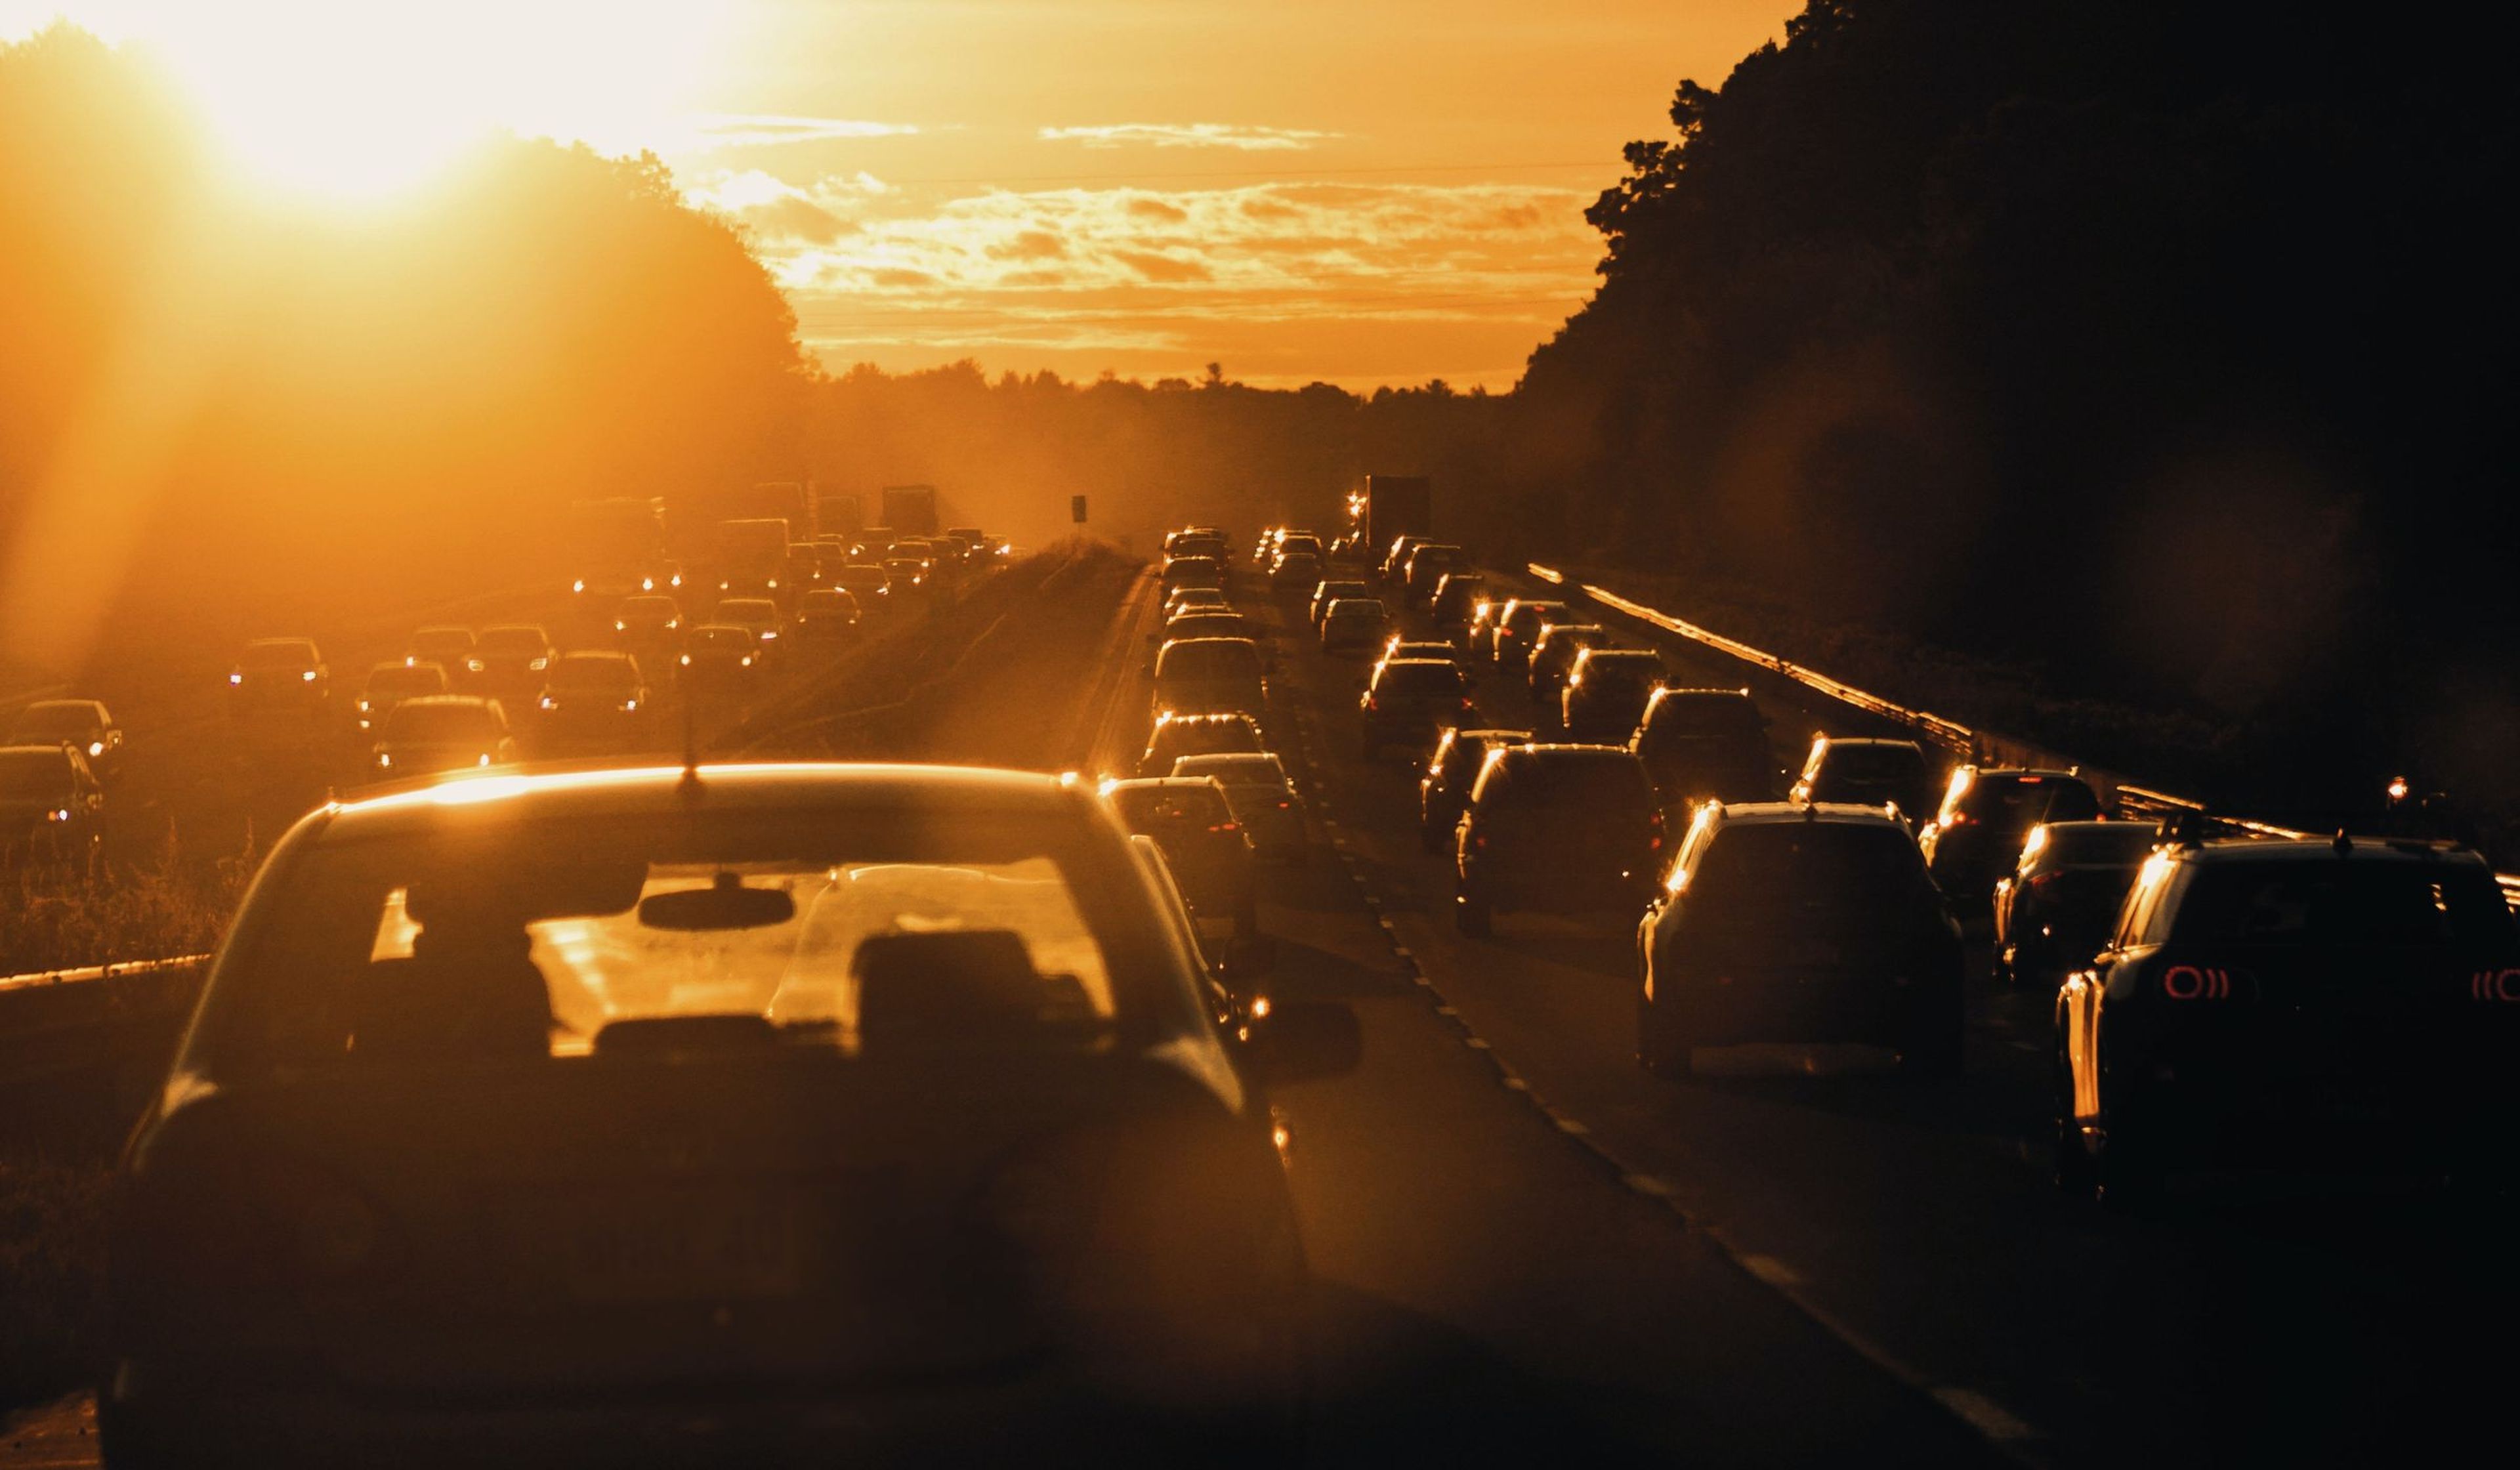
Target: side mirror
[{"x": 1305, "y": 1041}]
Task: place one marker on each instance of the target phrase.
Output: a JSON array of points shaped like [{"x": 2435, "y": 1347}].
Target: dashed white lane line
[
  {"x": 1985, "y": 1415},
  {"x": 1652, "y": 1186},
  {"x": 1772, "y": 1271}
]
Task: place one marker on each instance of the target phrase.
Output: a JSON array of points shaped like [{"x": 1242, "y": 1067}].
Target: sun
[{"x": 357, "y": 99}]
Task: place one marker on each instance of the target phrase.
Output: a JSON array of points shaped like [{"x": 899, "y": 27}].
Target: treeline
[
  {"x": 2164, "y": 345},
  {"x": 220, "y": 414}
]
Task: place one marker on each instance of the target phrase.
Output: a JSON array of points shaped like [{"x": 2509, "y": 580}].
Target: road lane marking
[
  {"x": 1772, "y": 1271},
  {"x": 1985, "y": 1415}
]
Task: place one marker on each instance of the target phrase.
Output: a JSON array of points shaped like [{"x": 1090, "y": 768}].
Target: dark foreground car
[
  {"x": 84, "y": 724},
  {"x": 1570, "y": 829},
  {"x": 51, "y": 806},
  {"x": 1445, "y": 789},
  {"x": 2293, "y": 1004},
  {"x": 1798, "y": 923},
  {"x": 1871, "y": 773},
  {"x": 1705, "y": 745},
  {"x": 775, "y": 1113}
]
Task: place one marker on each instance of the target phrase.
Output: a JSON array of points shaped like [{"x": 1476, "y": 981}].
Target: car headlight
[
  {"x": 769, "y": 635},
  {"x": 236, "y": 679},
  {"x": 385, "y": 762},
  {"x": 578, "y": 586},
  {"x": 647, "y": 584},
  {"x": 57, "y": 813},
  {"x": 539, "y": 663},
  {"x": 550, "y": 703},
  {"x": 747, "y": 660},
  {"x": 619, "y": 626},
  {"x": 676, "y": 580},
  {"x": 774, "y": 584},
  {"x": 96, "y": 747},
  {"x": 308, "y": 676},
  {"x": 473, "y": 665},
  {"x": 484, "y": 760},
  {"x": 628, "y": 705}
]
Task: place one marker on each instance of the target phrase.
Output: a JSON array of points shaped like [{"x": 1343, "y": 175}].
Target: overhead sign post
[{"x": 1076, "y": 508}]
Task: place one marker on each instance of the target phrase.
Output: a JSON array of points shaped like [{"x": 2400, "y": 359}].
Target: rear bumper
[{"x": 1751, "y": 1008}]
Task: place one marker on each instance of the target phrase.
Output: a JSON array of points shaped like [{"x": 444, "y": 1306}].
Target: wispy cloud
[
  {"x": 1188, "y": 135},
  {"x": 769, "y": 130}
]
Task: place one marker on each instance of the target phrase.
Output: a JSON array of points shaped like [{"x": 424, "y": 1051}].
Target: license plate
[{"x": 686, "y": 1249}]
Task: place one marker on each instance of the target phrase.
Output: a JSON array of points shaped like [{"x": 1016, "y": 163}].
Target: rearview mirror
[
  {"x": 1305, "y": 1041},
  {"x": 726, "y": 903}
]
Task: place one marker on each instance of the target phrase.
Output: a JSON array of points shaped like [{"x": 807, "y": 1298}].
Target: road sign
[{"x": 1076, "y": 508}]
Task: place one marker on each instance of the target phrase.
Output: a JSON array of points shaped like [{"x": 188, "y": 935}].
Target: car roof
[
  {"x": 2246, "y": 850},
  {"x": 595, "y": 656},
  {"x": 1861, "y": 741},
  {"x": 94, "y": 707},
  {"x": 1772, "y": 812},
  {"x": 397, "y": 665},
  {"x": 2016, "y": 773},
  {"x": 771, "y": 789},
  {"x": 1217, "y": 759},
  {"x": 1566, "y": 750},
  {"x": 1210, "y": 716}
]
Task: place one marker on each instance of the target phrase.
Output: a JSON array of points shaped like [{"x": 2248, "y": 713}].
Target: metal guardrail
[
  {"x": 41, "y": 979},
  {"x": 1952, "y": 732}
]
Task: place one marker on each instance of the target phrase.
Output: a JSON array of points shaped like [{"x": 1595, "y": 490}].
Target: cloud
[
  {"x": 769, "y": 130},
  {"x": 1177, "y": 278},
  {"x": 1188, "y": 135}
]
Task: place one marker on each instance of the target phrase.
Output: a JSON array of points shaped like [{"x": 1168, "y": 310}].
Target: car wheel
[{"x": 1473, "y": 916}]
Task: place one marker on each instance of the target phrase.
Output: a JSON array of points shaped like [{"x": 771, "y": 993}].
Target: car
[
  {"x": 2288, "y": 1004},
  {"x": 1192, "y": 571},
  {"x": 2053, "y": 911},
  {"x": 1394, "y": 567},
  {"x": 1209, "y": 850},
  {"x": 648, "y": 627},
  {"x": 866, "y": 581},
  {"x": 720, "y": 662},
  {"x": 436, "y": 734},
  {"x": 1570, "y": 829},
  {"x": 1478, "y": 631},
  {"x": 1455, "y": 600},
  {"x": 1553, "y": 654},
  {"x": 1798, "y": 923},
  {"x": 284, "y": 675},
  {"x": 904, "y": 578},
  {"x": 596, "y": 701},
  {"x": 1986, "y": 814},
  {"x": 1399, "y": 647},
  {"x": 1294, "y": 571},
  {"x": 1210, "y": 676},
  {"x": 1331, "y": 591},
  {"x": 827, "y": 619},
  {"x": 1262, "y": 799},
  {"x": 579, "y": 1109},
  {"x": 510, "y": 662},
  {"x": 388, "y": 685},
  {"x": 1218, "y": 622},
  {"x": 1300, "y": 544},
  {"x": 1868, "y": 773},
  {"x": 758, "y": 616},
  {"x": 1179, "y": 735},
  {"x": 1408, "y": 702},
  {"x": 1518, "y": 626},
  {"x": 1605, "y": 691},
  {"x": 444, "y": 644},
  {"x": 1425, "y": 566},
  {"x": 978, "y": 541},
  {"x": 1197, "y": 541},
  {"x": 1183, "y": 599},
  {"x": 1353, "y": 625},
  {"x": 1445, "y": 789},
  {"x": 85, "y": 724},
  {"x": 51, "y": 806},
  {"x": 1705, "y": 745}
]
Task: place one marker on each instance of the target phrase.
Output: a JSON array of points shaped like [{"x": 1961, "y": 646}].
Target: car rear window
[
  {"x": 1698, "y": 716},
  {"x": 1754, "y": 869},
  {"x": 1360, "y": 610},
  {"x": 1873, "y": 763},
  {"x": 1622, "y": 667},
  {"x": 284, "y": 654},
  {"x": 442, "y": 721},
  {"x": 1152, "y": 809},
  {"x": 1417, "y": 677},
  {"x": 971, "y": 924},
  {"x": 2345, "y": 903},
  {"x": 47, "y": 722},
  {"x": 514, "y": 640},
  {"x": 598, "y": 674},
  {"x": 2112, "y": 844},
  {"x": 2016, "y": 804},
  {"x": 1609, "y": 784},
  {"x": 1208, "y": 658}
]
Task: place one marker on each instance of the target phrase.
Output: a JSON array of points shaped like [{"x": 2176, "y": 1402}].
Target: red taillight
[
  {"x": 1225, "y": 826},
  {"x": 2191, "y": 982},
  {"x": 2495, "y": 985},
  {"x": 1283, "y": 804}
]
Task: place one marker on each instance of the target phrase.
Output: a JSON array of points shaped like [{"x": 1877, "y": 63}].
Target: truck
[
  {"x": 838, "y": 513},
  {"x": 748, "y": 556},
  {"x": 614, "y": 548},
  {"x": 910, "y": 510},
  {"x": 694, "y": 516},
  {"x": 1396, "y": 506}
]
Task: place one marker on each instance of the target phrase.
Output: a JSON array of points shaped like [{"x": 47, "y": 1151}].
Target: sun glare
[{"x": 355, "y": 100}]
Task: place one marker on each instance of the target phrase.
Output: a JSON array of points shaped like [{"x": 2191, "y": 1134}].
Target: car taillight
[
  {"x": 1226, "y": 826},
  {"x": 1283, "y": 804},
  {"x": 2193, "y": 982},
  {"x": 2495, "y": 985}
]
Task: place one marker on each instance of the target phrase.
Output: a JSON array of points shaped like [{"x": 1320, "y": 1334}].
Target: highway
[{"x": 1527, "y": 1249}]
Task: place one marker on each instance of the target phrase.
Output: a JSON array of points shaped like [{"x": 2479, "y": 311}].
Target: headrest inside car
[{"x": 940, "y": 987}]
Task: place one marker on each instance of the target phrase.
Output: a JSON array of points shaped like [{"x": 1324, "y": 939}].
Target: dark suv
[
  {"x": 1209, "y": 850},
  {"x": 1986, "y": 814},
  {"x": 1558, "y": 829},
  {"x": 1867, "y": 773},
  {"x": 1605, "y": 694},
  {"x": 1410, "y": 699},
  {"x": 1445, "y": 789},
  {"x": 1798, "y": 923},
  {"x": 1553, "y": 653},
  {"x": 2054, "y": 912},
  {"x": 1516, "y": 626},
  {"x": 1705, "y": 745}
]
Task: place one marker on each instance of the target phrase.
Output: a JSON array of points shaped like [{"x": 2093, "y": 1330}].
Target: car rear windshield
[
  {"x": 1873, "y": 763},
  {"x": 747, "y": 610},
  {"x": 2016, "y": 804},
  {"x": 35, "y": 774},
  {"x": 2111, "y": 843},
  {"x": 1611, "y": 786},
  {"x": 1180, "y": 738},
  {"x": 1417, "y": 677},
  {"x": 514, "y": 640},
  {"x": 1752, "y": 869},
  {"x": 1687, "y": 716},
  {"x": 599, "y": 675},
  {"x": 48, "y": 722},
  {"x": 2342, "y": 903},
  {"x": 1235, "y": 769},
  {"x": 1208, "y": 658},
  {"x": 1622, "y": 668},
  {"x": 550, "y": 938},
  {"x": 1359, "y": 609},
  {"x": 279, "y": 655},
  {"x": 437, "y": 723},
  {"x": 406, "y": 680},
  {"x": 1152, "y": 808}
]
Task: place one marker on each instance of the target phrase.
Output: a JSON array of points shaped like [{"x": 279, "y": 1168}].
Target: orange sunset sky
[{"x": 1367, "y": 192}]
